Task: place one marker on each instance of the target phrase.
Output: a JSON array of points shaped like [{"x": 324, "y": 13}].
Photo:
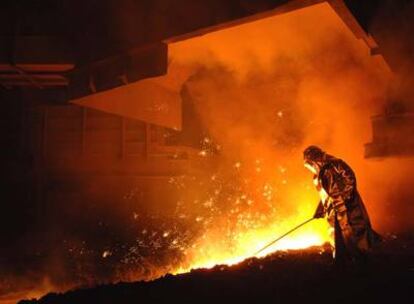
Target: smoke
[
  {"x": 266, "y": 90},
  {"x": 297, "y": 77}
]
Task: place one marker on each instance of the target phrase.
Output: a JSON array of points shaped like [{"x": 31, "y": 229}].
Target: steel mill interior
[{"x": 151, "y": 148}]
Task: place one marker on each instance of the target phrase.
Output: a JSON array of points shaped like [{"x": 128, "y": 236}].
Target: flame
[
  {"x": 209, "y": 250},
  {"x": 213, "y": 256}
]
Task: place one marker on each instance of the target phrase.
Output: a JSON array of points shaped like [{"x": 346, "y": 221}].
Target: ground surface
[{"x": 305, "y": 276}]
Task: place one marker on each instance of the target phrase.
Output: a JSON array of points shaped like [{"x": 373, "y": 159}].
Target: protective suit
[{"x": 344, "y": 209}]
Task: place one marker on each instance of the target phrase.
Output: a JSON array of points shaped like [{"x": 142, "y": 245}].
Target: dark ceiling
[
  {"x": 83, "y": 32},
  {"x": 94, "y": 29},
  {"x": 98, "y": 28}
]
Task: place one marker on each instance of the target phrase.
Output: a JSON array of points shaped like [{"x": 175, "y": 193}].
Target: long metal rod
[{"x": 282, "y": 236}]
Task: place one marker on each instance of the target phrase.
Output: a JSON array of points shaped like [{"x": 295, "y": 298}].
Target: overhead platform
[
  {"x": 392, "y": 136},
  {"x": 154, "y": 100}
]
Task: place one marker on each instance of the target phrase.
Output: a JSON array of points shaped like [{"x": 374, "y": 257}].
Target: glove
[{"x": 320, "y": 211}]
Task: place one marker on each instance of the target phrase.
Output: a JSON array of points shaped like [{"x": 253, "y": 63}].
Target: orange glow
[
  {"x": 222, "y": 245},
  {"x": 263, "y": 91},
  {"x": 301, "y": 75}
]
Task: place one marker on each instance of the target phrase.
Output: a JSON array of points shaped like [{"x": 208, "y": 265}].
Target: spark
[
  {"x": 208, "y": 203},
  {"x": 282, "y": 169},
  {"x": 199, "y": 218},
  {"x": 203, "y": 153},
  {"x": 106, "y": 254}
]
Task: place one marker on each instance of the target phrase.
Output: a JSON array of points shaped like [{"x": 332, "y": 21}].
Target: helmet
[{"x": 313, "y": 154}]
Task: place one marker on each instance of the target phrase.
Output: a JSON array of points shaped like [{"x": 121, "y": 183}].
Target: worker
[{"x": 342, "y": 205}]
